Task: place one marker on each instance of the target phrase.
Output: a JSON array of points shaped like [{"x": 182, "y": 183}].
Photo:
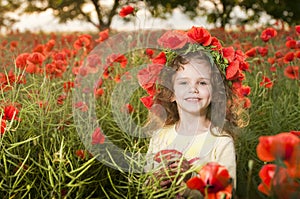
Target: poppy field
[{"x": 42, "y": 155}]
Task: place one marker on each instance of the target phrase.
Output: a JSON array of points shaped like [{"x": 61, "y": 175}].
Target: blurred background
[{"x": 94, "y": 15}]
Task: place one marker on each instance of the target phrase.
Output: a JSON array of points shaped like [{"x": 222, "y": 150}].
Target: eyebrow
[{"x": 186, "y": 78}]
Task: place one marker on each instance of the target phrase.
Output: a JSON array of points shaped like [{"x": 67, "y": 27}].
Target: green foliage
[{"x": 38, "y": 154}]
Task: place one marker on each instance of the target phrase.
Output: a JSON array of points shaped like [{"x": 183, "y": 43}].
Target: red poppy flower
[
  {"x": 126, "y": 10},
  {"x": 172, "y": 39},
  {"x": 199, "y": 35},
  {"x": 3, "y": 126},
  {"x": 245, "y": 90},
  {"x": 148, "y": 76},
  {"x": 228, "y": 53},
  {"x": 160, "y": 59},
  {"x": 244, "y": 66},
  {"x": 80, "y": 153},
  {"x": 98, "y": 92},
  {"x": 279, "y": 54},
  {"x": 129, "y": 108},
  {"x": 266, "y": 82},
  {"x": 167, "y": 154},
  {"x": 277, "y": 181},
  {"x": 60, "y": 99},
  {"x": 297, "y": 28},
  {"x": 117, "y": 58},
  {"x": 213, "y": 180},
  {"x": 280, "y": 146},
  {"x": 263, "y": 51},
  {"x": 232, "y": 70},
  {"x": 246, "y": 103},
  {"x": 21, "y": 60},
  {"x": 98, "y": 137},
  {"x": 81, "y": 106},
  {"x": 295, "y": 133},
  {"x": 147, "y": 101},
  {"x": 117, "y": 78},
  {"x": 10, "y": 113},
  {"x": 251, "y": 52},
  {"x": 68, "y": 86},
  {"x": 297, "y": 54},
  {"x": 292, "y": 44},
  {"x": 49, "y": 45},
  {"x": 289, "y": 57},
  {"x": 266, "y": 175},
  {"x": 13, "y": 45},
  {"x": 215, "y": 43},
  {"x": 149, "y": 52},
  {"x": 284, "y": 185},
  {"x": 39, "y": 48},
  {"x": 35, "y": 58},
  {"x": 268, "y": 34},
  {"x": 271, "y": 60},
  {"x": 83, "y": 41},
  {"x": 103, "y": 35},
  {"x": 292, "y": 72}
]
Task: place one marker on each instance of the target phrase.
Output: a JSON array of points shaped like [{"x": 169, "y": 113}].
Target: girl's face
[{"x": 192, "y": 87}]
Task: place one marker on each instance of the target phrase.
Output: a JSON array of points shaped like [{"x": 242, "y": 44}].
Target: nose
[{"x": 194, "y": 88}]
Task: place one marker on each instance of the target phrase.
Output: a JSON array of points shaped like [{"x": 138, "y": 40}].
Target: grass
[{"x": 40, "y": 154}]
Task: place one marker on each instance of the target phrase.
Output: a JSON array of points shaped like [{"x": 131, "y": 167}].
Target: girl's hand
[{"x": 167, "y": 175}]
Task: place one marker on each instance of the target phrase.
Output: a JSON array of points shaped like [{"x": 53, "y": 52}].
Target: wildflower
[
  {"x": 21, "y": 60},
  {"x": 232, "y": 70},
  {"x": 83, "y": 41},
  {"x": 266, "y": 82},
  {"x": 160, "y": 58},
  {"x": 103, "y": 35},
  {"x": 117, "y": 58},
  {"x": 81, "y": 106},
  {"x": 292, "y": 72},
  {"x": 289, "y": 57},
  {"x": 173, "y": 40},
  {"x": 263, "y": 51},
  {"x": 281, "y": 146},
  {"x": 276, "y": 180},
  {"x": 228, "y": 53},
  {"x": 149, "y": 52},
  {"x": 213, "y": 181},
  {"x": 11, "y": 113},
  {"x": 3, "y": 126},
  {"x": 147, "y": 101},
  {"x": 268, "y": 34},
  {"x": 297, "y": 27},
  {"x": 98, "y": 92},
  {"x": 80, "y": 153},
  {"x": 98, "y": 137},
  {"x": 279, "y": 54},
  {"x": 251, "y": 52},
  {"x": 266, "y": 175},
  {"x": 68, "y": 86},
  {"x": 126, "y": 10},
  {"x": 292, "y": 44},
  {"x": 199, "y": 35}
]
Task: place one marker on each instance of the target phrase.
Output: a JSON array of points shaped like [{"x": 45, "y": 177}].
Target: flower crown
[{"x": 230, "y": 62}]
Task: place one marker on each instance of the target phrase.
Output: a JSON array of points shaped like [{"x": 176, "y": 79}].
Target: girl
[{"x": 199, "y": 124}]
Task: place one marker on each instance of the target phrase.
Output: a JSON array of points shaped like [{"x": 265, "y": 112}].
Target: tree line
[{"x": 217, "y": 12}]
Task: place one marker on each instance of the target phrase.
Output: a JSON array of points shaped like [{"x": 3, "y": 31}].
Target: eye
[
  {"x": 182, "y": 83},
  {"x": 203, "y": 83}
]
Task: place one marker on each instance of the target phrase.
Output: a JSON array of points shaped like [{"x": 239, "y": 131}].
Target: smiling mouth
[{"x": 193, "y": 99}]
